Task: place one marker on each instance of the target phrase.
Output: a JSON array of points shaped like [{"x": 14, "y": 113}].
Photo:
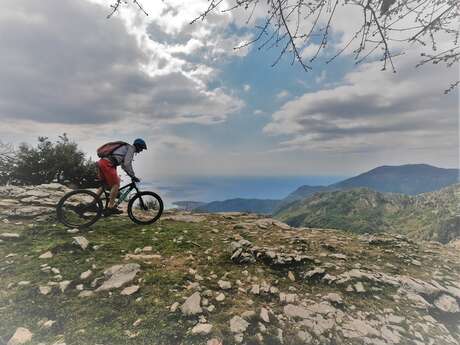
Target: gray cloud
[
  {"x": 373, "y": 109},
  {"x": 64, "y": 62}
]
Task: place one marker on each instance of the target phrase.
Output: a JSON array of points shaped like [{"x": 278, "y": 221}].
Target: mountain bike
[{"x": 82, "y": 208}]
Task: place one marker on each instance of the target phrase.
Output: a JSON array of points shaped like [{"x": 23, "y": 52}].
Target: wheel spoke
[
  {"x": 79, "y": 209},
  {"x": 145, "y": 208}
]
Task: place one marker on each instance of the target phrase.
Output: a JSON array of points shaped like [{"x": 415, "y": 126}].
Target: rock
[
  {"x": 44, "y": 290},
  {"x": 316, "y": 273},
  {"x": 9, "y": 235},
  {"x": 359, "y": 287},
  {"x": 220, "y": 297},
  {"x": 80, "y": 287},
  {"x": 202, "y": 329},
  {"x": 24, "y": 283},
  {"x": 214, "y": 341},
  {"x": 46, "y": 324},
  {"x": 255, "y": 289},
  {"x": 242, "y": 252},
  {"x": 338, "y": 256},
  {"x": 264, "y": 315},
  {"x": 47, "y": 255},
  {"x": 81, "y": 242},
  {"x": 291, "y": 276},
  {"x": 130, "y": 290},
  {"x": 305, "y": 337},
  {"x": 238, "y": 324},
  {"x": 143, "y": 257},
  {"x": 86, "y": 293},
  {"x": 334, "y": 298},
  {"x": 119, "y": 275},
  {"x": 288, "y": 298},
  {"x": 224, "y": 285},
  {"x": 356, "y": 328},
  {"x": 64, "y": 284},
  {"x": 447, "y": 304},
  {"x": 191, "y": 305},
  {"x": 281, "y": 225},
  {"x": 86, "y": 274},
  {"x": 73, "y": 231},
  {"x": 295, "y": 311},
  {"x": 174, "y": 307},
  {"x": 21, "y": 336}
]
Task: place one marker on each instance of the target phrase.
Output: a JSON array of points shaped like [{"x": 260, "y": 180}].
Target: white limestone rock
[
  {"x": 192, "y": 305},
  {"x": 21, "y": 336},
  {"x": 119, "y": 275}
]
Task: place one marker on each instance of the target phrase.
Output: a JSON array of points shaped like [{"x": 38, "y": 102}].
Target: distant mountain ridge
[
  {"x": 409, "y": 179},
  {"x": 427, "y": 216}
]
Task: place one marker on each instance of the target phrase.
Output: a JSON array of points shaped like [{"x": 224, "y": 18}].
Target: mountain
[
  {"x": 262, "y": 206},
  {"x": 428, "y": 216},
  {"x": 239, "y": 279},
  {"x": 410, "y": 179},
  {"x": 188, "y": 205},
  {"x": 300, "y": 193}
]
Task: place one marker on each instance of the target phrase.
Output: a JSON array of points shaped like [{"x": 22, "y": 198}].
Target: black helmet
[{"x": 140, "y": 144}]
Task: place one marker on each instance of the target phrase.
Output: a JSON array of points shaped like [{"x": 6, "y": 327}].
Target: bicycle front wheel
[
  {"x": 79, "y": 209},
  {"x": 145, "y": 208}
]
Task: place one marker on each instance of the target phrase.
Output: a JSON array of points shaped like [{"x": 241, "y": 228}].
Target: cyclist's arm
[{"x": 127, "y": 164}]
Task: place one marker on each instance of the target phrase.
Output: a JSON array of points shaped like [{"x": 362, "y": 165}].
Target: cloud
[
  {"x": 66, "y": 63},
  {"x": 282, "y": 94},
  {"x": 372, "y": 111},
  {"x": 246, "y": 87}
]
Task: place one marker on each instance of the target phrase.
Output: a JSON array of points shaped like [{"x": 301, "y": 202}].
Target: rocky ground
[{"x": 216, "y": 279}]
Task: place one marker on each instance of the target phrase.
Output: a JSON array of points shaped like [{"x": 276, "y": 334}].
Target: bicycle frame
[{"x": 123, "y": 192}]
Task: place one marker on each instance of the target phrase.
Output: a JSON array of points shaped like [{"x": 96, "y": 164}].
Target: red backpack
[{"x": 107, "y": 149}]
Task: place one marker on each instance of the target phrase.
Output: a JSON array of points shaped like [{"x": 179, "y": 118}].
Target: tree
[
  {"x": 292, "y": 25},
  {"x": 7, "y": 159},
  {"x": 48, "y": 162}
]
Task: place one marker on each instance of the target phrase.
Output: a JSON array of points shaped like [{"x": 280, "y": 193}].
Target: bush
[
  {"x": 59, "y": 161},
  {"x": 7, "y": 159}
]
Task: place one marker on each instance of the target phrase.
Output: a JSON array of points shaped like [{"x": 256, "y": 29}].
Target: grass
[{"x": 108, "y": 318}]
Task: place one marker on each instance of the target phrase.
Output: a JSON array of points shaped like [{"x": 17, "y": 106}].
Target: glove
[{"x": 135, "y": 179}]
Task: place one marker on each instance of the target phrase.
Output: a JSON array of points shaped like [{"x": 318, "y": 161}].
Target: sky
[{"x": 207, "y": 109}]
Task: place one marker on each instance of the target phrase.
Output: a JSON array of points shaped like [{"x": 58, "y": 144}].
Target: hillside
[
  {"x": 429, "y": 216},
  {"x": 410, "y": 179},
  {"x": 216, "y": 279},
  {"x": 262, "y": 206}
]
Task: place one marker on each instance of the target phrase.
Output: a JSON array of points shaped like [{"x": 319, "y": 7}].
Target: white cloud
[
  {"x": 282, "y": 94},
  {"x": 258, "y": 112},
  {"x": 246, "y": 87},
  {"x": 372, "y": 111}
]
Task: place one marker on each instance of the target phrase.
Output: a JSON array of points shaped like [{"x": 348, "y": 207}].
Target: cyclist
[{"x": 123, "y": 155}]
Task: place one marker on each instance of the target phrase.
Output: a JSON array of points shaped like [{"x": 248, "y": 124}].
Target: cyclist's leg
[
  {"x": 110, "y": 177},
  {"x": 113, "y": 195}
]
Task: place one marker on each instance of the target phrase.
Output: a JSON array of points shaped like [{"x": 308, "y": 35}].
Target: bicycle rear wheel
[
  {"x": 145, "y": 208},
  {"x": 79, "y": 209}
]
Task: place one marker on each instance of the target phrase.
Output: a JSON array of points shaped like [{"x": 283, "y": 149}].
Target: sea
[{"x": 218, "y": 188}]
